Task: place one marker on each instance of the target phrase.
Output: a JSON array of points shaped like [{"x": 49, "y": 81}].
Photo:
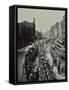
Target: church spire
[{"x": 34, "y": 20}]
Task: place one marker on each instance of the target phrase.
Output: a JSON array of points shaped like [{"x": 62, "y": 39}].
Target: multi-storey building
[
  {"x": 63, "y": 26},
  {"x": 26, "y": 33}
]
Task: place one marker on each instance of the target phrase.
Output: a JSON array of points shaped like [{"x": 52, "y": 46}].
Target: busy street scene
[{"x": 41, "y": 56}]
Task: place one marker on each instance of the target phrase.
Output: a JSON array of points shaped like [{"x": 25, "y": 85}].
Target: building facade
[
  {"x": 26, "y": 33},
  {"x": 58, "y": 30}
]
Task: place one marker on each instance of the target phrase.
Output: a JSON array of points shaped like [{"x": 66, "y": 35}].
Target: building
[
  {"x": 63, "y": 26},
  {"x": 26, "y": 33},
  {"x": 51, "y": 34},
  {"x": 58, "y": 30}
]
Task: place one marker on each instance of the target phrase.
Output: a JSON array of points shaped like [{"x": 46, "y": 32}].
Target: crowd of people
[{"x": 41, "y": 63}]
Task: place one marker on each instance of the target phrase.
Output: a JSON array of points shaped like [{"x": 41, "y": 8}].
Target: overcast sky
[{"x": 44, "y": 19}]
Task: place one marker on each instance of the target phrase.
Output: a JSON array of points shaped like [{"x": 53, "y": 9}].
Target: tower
[
  {"x": 34, "y": 20},
  {"x": 34, "y": 24}
]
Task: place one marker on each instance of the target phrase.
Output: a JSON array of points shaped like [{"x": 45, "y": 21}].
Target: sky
[{"x": 44, "y": 19}]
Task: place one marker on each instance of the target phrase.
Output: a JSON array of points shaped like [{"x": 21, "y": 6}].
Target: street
[{"x": 45, "y": 63}]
